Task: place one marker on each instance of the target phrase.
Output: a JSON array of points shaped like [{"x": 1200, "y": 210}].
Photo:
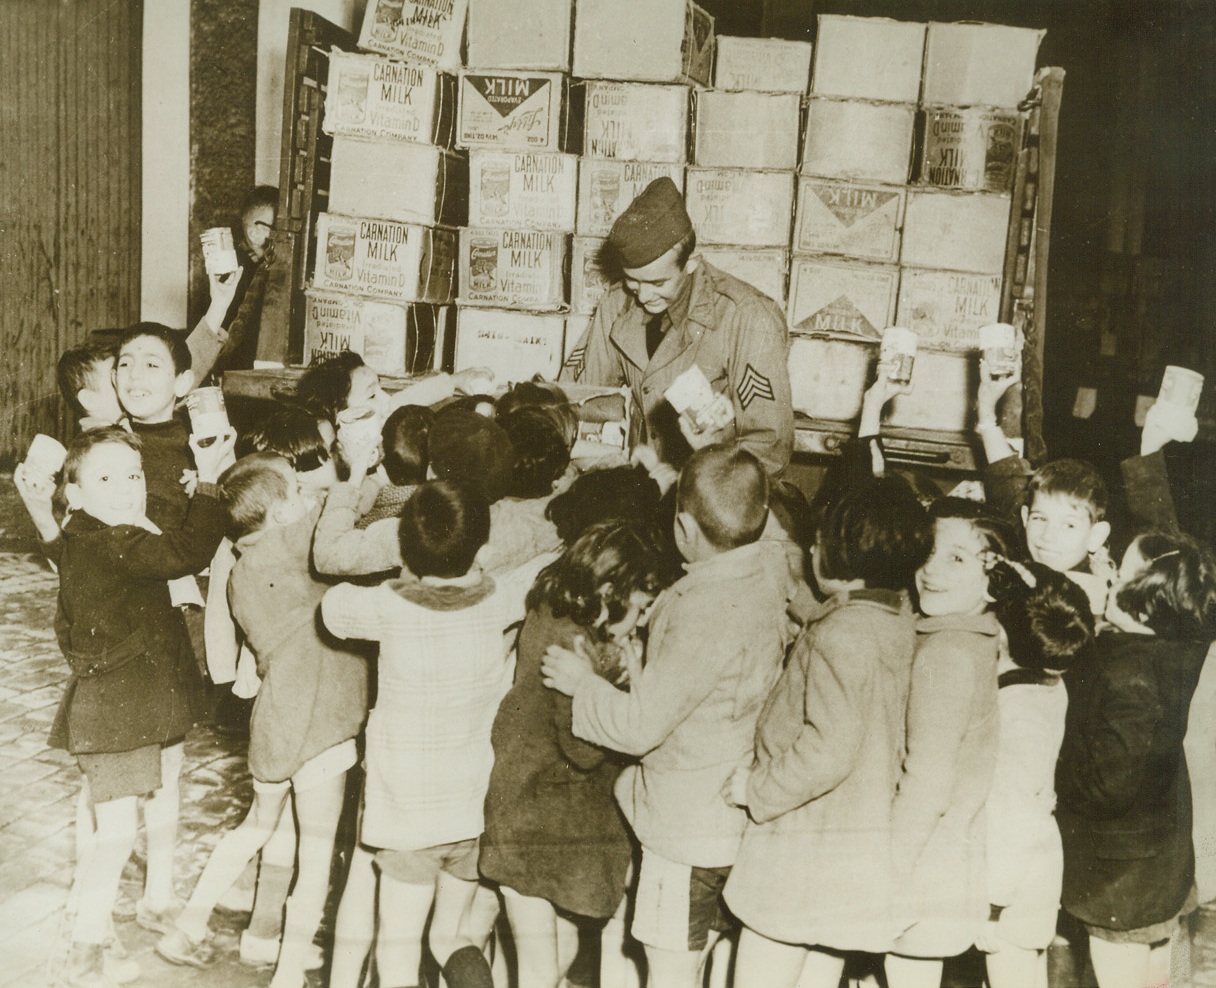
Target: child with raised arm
[
  {"x": 135, "y": 688},
  {"x": 717, "y": 639},
  {"x": 442, "y": 672}
]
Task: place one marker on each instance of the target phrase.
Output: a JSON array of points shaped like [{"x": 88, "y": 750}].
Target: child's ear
[
  {"x": 1098, "y": 536},
  {"x": 71, "y": 493},
  {"x": 687, "y": 528},
  {"x": 86, "y": 398},
  {"x": 1025, "y": 514},
  {"x": 184, "y": 383}
]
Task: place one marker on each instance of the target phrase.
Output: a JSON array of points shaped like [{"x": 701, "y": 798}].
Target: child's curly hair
[{"x": 1046, "y": 625}]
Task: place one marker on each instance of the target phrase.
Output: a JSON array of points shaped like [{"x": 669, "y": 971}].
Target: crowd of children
[{"x": 606, "y": 696}]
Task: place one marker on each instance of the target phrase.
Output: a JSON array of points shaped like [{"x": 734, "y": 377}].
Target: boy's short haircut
[
  {"x": 876, "y": 532},
  {"x": 77, "y": 365},
  {"x": 1046, "y": 625},
  {"x": 174, "y": 340},
  {"x": 250, "y": 488},
  {"x": 1074, "y": 479},
  {"x": 442, "y": 527},
  {"x": 292, "y": 433},
  {"x": 405, "y": 436},
  {"x": 529, "y": 393},
  {"x": 541, "y": 453},
  {"x": 624, "y": 493},
  {"x": 469, "y": 449},
  {"x": 725, "y": 489},
  {"x": 262, "y": 195},
  {"x": 85, "y": 442}
]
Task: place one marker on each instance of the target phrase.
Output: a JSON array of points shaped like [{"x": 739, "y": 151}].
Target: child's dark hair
[
  {"x": 292, "y": 433},
  {"x": 250, "y": 488},
  {"x": 997, "y": 534},
  {"x": 262, "y": 195},
  {"x": 1073, "y": 479},
  {"x": 325, "y": 386},
  {"x": 1175, "y": 593},
  {"x": 613, "y": 494},
  {"x": 469, "y": 449},
  {"x": 725, "y": 489},
  {"x": 405, "y": 435},
  {"x": 876, "y": 532},
  {"x": 1046, "y": 625},
  {"x": 77, "y": 365},
  {"x": 174, "y": 340},
  {"x": 541, "y": 452},
  {"x": 605, "y": 566},
  {"x": 442, "y": 527},
  {"x": 85, "y": 442},
  {"x": 526, "y": 394}
]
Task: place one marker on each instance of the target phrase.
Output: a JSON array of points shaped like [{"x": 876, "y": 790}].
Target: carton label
[
  {"x": 374, "y": 97},
  {"x": 762, "y": 268},
  {"x": 399, "y": 180},
  {"x": 636, "y": 122},
  {"x": 516, "y": 345},
  {"x": 970, "y": 149},
  {"x": 856, "y": 299},
  {"x": 841, "y": 218},
  {"x": 946, "y": 308},
  {"x": 697, "y": 47},
  {"x": 588, "y": 281},
  {"x": 512, "y": 268},
  {"x": 763, "y": 64},
  {"x": 607, "y": 187},
  {"x": 741, "y": 208},
  {"x": 509, "y": 110},
  {"x": 425, "y": 31},
  {"x": 374, "y": 330},
  {"x": 533, "y": 191},
  {"x": 385, "y": 259}
]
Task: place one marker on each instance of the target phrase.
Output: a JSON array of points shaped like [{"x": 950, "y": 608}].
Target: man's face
[
  {"x": 255, "y": 226},
  {"x": 658, "y": 284},
  {"x": 109, "y": 485},
  {"x": 147, "y": 383},
  {"x": 1060, "y": 532}
]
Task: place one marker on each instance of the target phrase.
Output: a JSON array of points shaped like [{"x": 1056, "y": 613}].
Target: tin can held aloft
[
  {"x": 898, "y": 353},
  {"x": 219, "y": 252},
  {"x": 1001, "y": 346},
  {"x": 208, "y": 416},
  {"x": 358, "y": 427},
  {"x": 44, "y": 458},
  {"x": 691, "y": 394},
  {"x": 1181, "y": 386}
]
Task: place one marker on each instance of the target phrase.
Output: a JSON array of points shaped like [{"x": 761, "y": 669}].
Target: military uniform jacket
[{"x": 733, "y": 332}]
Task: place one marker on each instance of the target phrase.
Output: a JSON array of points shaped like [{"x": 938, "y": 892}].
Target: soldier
[{"x": 674, "y": 310}]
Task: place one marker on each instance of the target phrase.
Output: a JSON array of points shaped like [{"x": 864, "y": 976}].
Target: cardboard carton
[
  {"x": 520, "y": 34},
  {"x": 868, "y": 58},
  {"x": 747, "y": 130},
  {"x": 425, "y": 31},
  {"x": 397, "y": 180},
  {"x": 764, "y": 268},
  {"x": 522, "y": 190},
  {"x": 830, "y": 295},
  {"x": 969, "y": 148},
  {"x": 828, "y": 375},
  {"x": 588, "y": 280},
  {"x": 979, "y": 64},
  {"x": 634, "y": 121},
  {"x": 740, "y": 208},
  {"x": 606, "y": 187},
  {"x": 947, "y": 308},
  {"x": 392, "y": 339},
  {"x": 512, "y": 269},
  {"x": 515, "y": 345},
  {"x": 852, "y": 219},
  {"x": 511, "y": 110},
  {"x": 961, "y": 231},
  {"x": 767, "y": 65},
  {"x": 643, "y": 41},
  {"x": 943, "y": 386},
  {"x": 863, "y": 142},
  {"x": 375, "y": 97},
  {"x": 383, "y": 259}
]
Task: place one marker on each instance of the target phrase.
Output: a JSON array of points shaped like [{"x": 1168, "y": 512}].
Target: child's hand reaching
[
  {"x": 36, "y": 492},
  {"x": 1166, "y": 422},
  {"x": 992, "y": 389},
  {"x": 189, "y": 480},
  {"x": 563, "y": 670},
  {"x": 474, "y": 381},
  {"x": 735, "y": 790},
  {"x": 215, "y": 457},
  {"x": 358, "y": 457},
  {"x": 223, "y": 291},
  {"x": 876, "y": 397}
]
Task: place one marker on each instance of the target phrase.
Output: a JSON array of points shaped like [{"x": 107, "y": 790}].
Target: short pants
[
  {"x": 423, "y": 866},
  {"x": 119, "y": 774},
  {"x": 320, "y": 768},
  {"x": 678, "y": 904}
]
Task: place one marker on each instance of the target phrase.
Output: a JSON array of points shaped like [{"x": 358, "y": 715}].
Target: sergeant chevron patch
[
  {"x": 754, "y": 385},
  {"x": 577, "y": 359}
]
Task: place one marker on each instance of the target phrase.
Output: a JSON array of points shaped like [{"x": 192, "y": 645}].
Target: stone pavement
[{"x": 38, "y": 788}]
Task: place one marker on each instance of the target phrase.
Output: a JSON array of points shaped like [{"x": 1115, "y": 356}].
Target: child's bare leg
[
  {"x": 763, "y": 962},
  {"x": 355, "y": 925},
  {"x": 99, "y": 874},
  {"x": 462, "y": 962},
  {"x": 1016, "y": 967},
  {"x": 233, "y": 852},
  {"x": 274, "y": 879},
  {"x": 617, "y": 968},
  {"x": 674, "y": 968},
  {"x": 913, "y": 972},
  {"x": 542, "y": 958},
  {"x": 161, "y": 811},
  {"x": 317, "y": 811},
  {"x": 1119, "y": 965},
  {"x": 404, "y": 907}
]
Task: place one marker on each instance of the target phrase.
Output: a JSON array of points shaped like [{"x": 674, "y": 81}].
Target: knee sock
[{"x": 468, "y": 968}]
